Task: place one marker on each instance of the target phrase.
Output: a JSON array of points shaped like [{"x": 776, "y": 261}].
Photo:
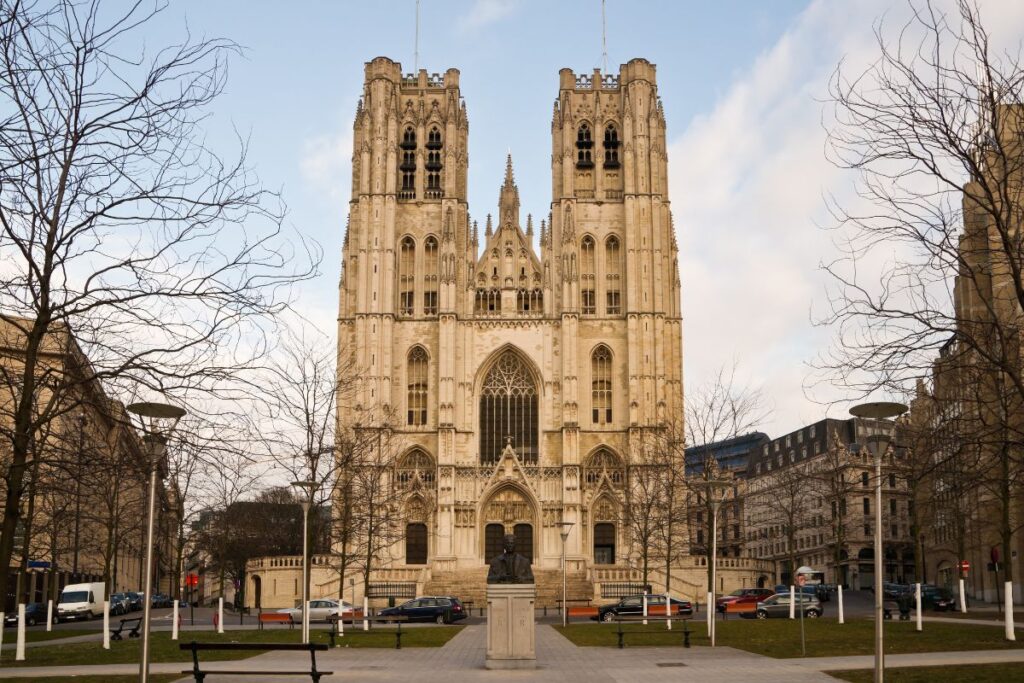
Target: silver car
[
  {"x": 777, "y": 606},
  {"x": 319, "y": 610}
]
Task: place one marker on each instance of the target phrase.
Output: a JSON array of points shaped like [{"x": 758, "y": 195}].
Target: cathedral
[{"x": 511, "y": 382}]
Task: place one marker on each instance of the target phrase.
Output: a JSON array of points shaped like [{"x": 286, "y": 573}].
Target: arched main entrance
[{"x": 508, "y": 510}]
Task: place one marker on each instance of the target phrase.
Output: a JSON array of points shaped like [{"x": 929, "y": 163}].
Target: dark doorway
[
  {"x": 604, "y": 543},
  {"x": 415, "y": 543},
  {"x": 494, "y": 538},
  {"x": 524, "y": 540},
  {"x": 257, "y": 592}
]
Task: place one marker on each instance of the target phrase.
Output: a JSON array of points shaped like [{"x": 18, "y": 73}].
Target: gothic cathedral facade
[{"x": 512, "y": 382}]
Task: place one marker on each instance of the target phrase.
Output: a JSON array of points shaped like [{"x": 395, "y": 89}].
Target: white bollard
[
  {"x": 366, "y": 613},
  {"x": 341, "y": 622},
  {"x": 711, "y": 611},
  {"x": 220, "y": 615},
  {"x": 792, "y": 602},
  {"x": 19, "y": 653},
  {"x": 1008, "y": 610},
  {"x": 174, "y": 621},
  {"x": 645, "y": 608},
  {"x": 917, "y": 599},
  {"x": 668, "y": 611},
  {"x": 305, "y": 622},
  {"x": 840, "y": 598},
  {"x": 963, "y": 598},
  {"x": 106, "y": 624},
  {"x": 49, "y": 615}
]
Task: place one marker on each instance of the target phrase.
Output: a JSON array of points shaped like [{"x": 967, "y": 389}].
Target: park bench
[
  {"x": 633, "y": 618},
  {"x": 276, "y": 618},
  {"x": 742, "y": 608},
  {"x": 115, "y": 634},
  {"x": 199, "y": 675},
  {"x": 356, "y": 630}
]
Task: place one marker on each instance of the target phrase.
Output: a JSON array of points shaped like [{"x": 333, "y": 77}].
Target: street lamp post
[
  {"x": 310, "y": 487},
  {"x": 566, "y": 527},
  {"x": 158, "y": 421},
  {"x": 714, "y": 486},
  {"x": 878, "y": 411}
]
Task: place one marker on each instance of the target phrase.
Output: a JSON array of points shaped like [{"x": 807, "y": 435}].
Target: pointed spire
[
  {"x": 543, "y": 234},
  {"x": 529, "y": 226},
  {"x": 509, "y": 178},
  {"x": 508, "y": 199},
  {"x": 476, "y": 234},
  {"x": 488, "y": 231}
]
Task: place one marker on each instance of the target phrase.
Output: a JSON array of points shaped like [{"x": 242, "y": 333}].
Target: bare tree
[
  {"x": 123, "y": 237},
  {"x": 932, "y": 259}
]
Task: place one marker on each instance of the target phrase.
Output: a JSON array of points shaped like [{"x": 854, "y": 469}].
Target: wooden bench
[
  {"x": 115, "y": 634},
  {"x": 742, "y": 608},
  {"x": 276, "y": 618},
  {"x": 398, "y": 620},
  {"x": 620, "y": 620},
  {"x": 199, "y": 675},
  {"x": 582, "y": 612}
]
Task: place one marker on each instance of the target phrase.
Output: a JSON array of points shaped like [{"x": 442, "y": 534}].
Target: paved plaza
[{"x": 462, "y": 659}]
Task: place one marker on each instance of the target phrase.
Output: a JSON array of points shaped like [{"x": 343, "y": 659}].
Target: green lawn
[
  {"x": 34, "y": 636},
  {"x": 974, "y": 673},
  {"x": 825, "y": 637},
  {"x": 163, "y": 649},
  {"x": 155, "y": 678}
]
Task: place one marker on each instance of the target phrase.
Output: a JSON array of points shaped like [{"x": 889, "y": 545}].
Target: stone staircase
[{"x": 470, "y": 585}]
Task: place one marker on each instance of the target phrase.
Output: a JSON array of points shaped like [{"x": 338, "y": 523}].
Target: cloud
[
  {"x": 748, "y": 181},
  {"x": 326, "y": 162},
  {"x": 484, "y": 13}
]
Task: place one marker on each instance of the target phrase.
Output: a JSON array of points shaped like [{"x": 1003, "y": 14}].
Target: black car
[
  {"x": 443, "y": 609},
  {"x": 120, "y": 603},
  {"x": 35, "y": 613},
  {"x": 634, "y": 605},
  {"x": 162, "y": 600},
  {"x": 134, "y": 601},
  {"x": 938, "y": 599}
]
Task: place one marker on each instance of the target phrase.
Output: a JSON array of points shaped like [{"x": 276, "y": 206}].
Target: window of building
[
  {"x": 894, "y": 530},
  {"x": 406, "y": 276},
  {"x": 584, "y": 145},
  {"x": 613, "y": 268},
  {"x": 892, "y": 481},
  {"x": 433, "y": 165},
  {"x": 416, "y": 465},
  {"x": 603, "y": 463},
  {"x": 508, "y": 410},
  {"x": 601, "y": 385},
  {"x": 864, "y": 479},
  {"x": 407, "y": 168},
  {"x": 867, "y": 529},
  {"x": 488, "y": 300},
  {"x": 867, "y": 506},
  {"x": 430, "y": 276},
  {"x": 611, "y": 147},
  {"x": 587, "y": 277},
  {"x": 417, "y": 379},
  {"x": 892, "y": 507}
]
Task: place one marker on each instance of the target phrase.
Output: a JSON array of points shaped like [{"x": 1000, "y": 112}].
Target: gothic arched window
[
  {"x": 434, "y": 165},
  {"x": 430, "y": 276},
  {"x": 588, "y": 296},
  {"x": 406, "y": 276},
  {"x": 604, "y": 463},
  {"x": 508, "y": 411},
  {"x": 416, "y": 374},
  {"x": 584, "y": 143},
  {"x": 612, "y": 270},
  {"x": 416, "y": 464},
  {"x": 601, "y": 385},
  {"x": 408, "y": 165},
  {"x": 611, "y": 146}
]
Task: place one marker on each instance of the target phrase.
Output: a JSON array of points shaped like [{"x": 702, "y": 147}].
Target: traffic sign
[
  {"x": 801, "y": 580},
  {"x": 192, "y": 580}
]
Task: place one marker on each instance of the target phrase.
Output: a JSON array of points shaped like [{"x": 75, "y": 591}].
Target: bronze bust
[{"x": 510, "y": 566}]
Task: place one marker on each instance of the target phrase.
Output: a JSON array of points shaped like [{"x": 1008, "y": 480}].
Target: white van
[{"x": 81, "y": 601}]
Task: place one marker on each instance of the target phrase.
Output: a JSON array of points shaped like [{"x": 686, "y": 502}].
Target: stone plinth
[{"x": 510, "y": 626}]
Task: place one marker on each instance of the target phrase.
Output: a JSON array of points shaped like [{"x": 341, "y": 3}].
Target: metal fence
[
  {"x": 623, "y": 589},
  {"x": 392, "y": 589}
]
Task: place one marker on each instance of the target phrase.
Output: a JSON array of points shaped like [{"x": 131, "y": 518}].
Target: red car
[{"x": 745, "y": 597}]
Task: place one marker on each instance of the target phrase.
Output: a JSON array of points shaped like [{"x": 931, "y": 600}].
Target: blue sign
[{"x": 38, "y": 564}]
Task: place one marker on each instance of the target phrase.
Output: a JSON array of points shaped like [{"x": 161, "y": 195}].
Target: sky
[{"x": 742, "y": 82}]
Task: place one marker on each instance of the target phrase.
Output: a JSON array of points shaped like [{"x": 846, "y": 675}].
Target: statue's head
[{"x": 510, "y": 543}]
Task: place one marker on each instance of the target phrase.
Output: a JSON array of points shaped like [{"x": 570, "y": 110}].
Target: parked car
[
  {"x": 743, "y": 596},
  {"x": 134, "y": 601},
  {"x": 777, "y": 606},
  {"x": 161, "y": 600},
  {"x": 120, "y": 603},
  {"x": 634, "y": 604},
  {"x": 35, "y": 613},
  {"x": 319, "y": 610},
  {"x": 441, "y": 609},
  {"x": 81, "y": 601},
  {"x": 937, "y": 598}
]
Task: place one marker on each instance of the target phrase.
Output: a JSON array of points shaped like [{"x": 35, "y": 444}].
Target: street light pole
[
  {"x": 566, "y": 527},
  {"x": 713, "y": 487},
  {"x": 309, "y": 487},
  {"x": 159, "y": 420},
  {"x": 878, "y": 411}
]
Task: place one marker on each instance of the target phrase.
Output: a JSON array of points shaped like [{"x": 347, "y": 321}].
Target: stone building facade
[{"x": 514, "y": 381}]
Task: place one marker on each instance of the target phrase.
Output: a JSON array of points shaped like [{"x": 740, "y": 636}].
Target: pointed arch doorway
[{"x": 508, "y": 511}]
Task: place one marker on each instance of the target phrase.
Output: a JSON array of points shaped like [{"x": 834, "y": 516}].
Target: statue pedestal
[{"x": 510, "y": 626}]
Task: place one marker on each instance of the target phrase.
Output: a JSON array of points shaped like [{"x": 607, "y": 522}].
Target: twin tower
[{"x": 512, "y": 388}]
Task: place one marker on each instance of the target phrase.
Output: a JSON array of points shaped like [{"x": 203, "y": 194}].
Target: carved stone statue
[{"x": 510, "y": 566}]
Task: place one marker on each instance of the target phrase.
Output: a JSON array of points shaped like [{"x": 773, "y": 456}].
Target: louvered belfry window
[{"x": 508, "y": 411}]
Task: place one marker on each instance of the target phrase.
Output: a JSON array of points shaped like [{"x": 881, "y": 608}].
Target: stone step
[{"x": 470, "y": 585}]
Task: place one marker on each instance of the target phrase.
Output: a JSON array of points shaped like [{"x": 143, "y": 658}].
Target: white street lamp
[
  {"x": 564, "y": 533},
  {"x": 310, "y": 487},
  {"x": 714, "y": 488},
  {"x": 158, "y": 422},
  {"x": 878, "y": 411}
]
